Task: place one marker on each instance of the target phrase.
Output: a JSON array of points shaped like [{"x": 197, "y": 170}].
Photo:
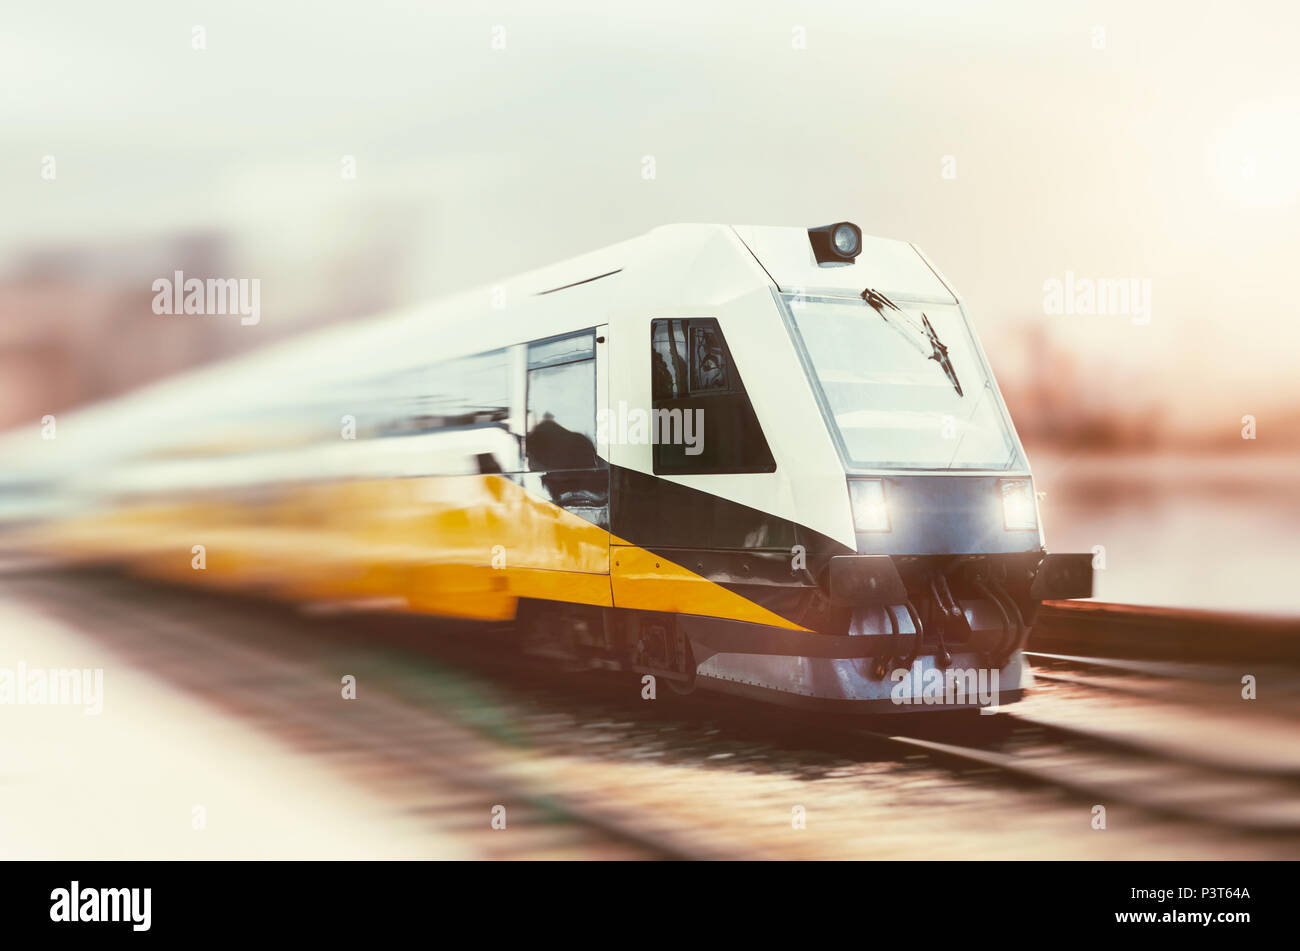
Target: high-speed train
[{"x": 765, "y": 460}]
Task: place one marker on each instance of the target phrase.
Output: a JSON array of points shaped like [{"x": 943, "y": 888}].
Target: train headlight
[
  {"x": 847, "y": 240},
  {"x": 1018, "y": 510},
  {"x": 869, "y": 511},
  {"x": 836, "y": 244}
]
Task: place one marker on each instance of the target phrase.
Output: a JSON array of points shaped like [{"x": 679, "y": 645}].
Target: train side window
[
  {"x": 561, "y": 404},
  {"x": 472, "y": 390},
  {"x": 468, "y": 391},
  {"x": 703, "y": 419}
]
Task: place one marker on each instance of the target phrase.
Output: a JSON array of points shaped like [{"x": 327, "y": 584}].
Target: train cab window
[
  {"x": 561, "y": 404},
  {"x": 687, "y": 358},
  {"x": 708, "y": 362},
  {"x": 703, "y": 420}
]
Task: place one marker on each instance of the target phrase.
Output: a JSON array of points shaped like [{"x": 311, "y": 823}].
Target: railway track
[
  {"x": 1150, "y": 779},
  {"x": 383, "y": 735},
  {"x": 587, "y": 771},
  {"x": 1281, "y": 684},
  {"x": 1165, "y": 758},
  {"x": 1165, "y": 634}
]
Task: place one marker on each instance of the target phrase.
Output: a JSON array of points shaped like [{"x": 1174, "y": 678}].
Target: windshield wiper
[{"x": 938, "y": 352}]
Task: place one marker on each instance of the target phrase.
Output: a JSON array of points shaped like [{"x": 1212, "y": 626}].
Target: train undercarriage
[{"x": 908, "y": 624}]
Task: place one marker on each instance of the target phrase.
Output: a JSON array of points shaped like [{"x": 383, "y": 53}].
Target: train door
[{"x": 565, "y": 469}]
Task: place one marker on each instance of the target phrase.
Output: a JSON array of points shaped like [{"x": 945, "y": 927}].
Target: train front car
[
  {"x": 881, "y": 516},
  {"x": 770, "y": 461}
]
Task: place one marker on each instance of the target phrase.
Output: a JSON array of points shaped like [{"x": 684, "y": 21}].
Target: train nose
[
  {"x": 991, "y": 627},
  {"x": 980, "y": 604}
]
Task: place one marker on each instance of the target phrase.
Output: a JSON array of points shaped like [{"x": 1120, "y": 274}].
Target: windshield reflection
[{"x": 893, "y": 405}]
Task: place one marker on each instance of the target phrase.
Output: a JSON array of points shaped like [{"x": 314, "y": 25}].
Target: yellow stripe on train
[{"x": 460, "y": 546}]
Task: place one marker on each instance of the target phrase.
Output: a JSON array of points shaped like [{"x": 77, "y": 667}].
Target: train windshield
[{"x": 904, "y": 388}]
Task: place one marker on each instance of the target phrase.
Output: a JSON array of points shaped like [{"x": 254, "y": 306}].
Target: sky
[{"x": 1014, "y": 142}]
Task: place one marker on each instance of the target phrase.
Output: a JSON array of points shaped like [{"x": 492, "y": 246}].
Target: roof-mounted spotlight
[{"x": 837, "y": 243}]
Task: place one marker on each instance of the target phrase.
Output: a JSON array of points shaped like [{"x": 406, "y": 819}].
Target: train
[{"x": 767, "y": 461}]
